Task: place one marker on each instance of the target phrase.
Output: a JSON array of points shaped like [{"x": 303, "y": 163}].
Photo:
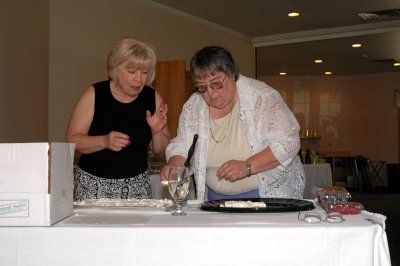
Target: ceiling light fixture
[
  {"x": 356, "y": 45},
  {"x": 396, "y": 64},
  {"x": 318, "y": 61},
  {"x": 328, "y": 73},
  {"x": 294, "y": 14},
  {"x": 283, "y": 73}
]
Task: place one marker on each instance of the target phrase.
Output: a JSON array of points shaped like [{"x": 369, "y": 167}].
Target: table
[
  {"x": 137, "y": 236},
  {"x": 343, "y": 164},
  {"x": 317, "y": 175}
]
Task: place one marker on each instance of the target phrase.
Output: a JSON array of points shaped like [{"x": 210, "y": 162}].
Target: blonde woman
[{"x": 114, "y": 122}]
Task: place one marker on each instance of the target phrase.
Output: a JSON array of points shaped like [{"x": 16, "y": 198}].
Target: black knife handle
[{"x": 191, "y": 150}]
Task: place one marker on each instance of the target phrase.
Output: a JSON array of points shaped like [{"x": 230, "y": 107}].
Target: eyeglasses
[
  {"x": 215, "y": 85},
  {"x": 315, "y": 218}
]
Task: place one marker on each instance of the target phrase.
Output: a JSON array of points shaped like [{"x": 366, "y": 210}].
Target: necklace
[{"x": 224, "y": 131}]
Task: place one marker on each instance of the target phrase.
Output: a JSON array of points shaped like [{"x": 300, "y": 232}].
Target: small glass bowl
[
  {"x": 332, "y": 195},
  {"x": 345, "y": 208}
]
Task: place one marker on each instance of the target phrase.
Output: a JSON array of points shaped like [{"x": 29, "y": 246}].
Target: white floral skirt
[{"x": 89, "y": 186}]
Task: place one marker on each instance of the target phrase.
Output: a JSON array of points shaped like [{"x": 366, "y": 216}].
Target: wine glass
[{"x": 178, "y": 184}]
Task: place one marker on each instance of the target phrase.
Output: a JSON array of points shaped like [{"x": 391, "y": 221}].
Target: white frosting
[
  {"x": 155, "y": 203},
  {"x": 243, "y": 204}
]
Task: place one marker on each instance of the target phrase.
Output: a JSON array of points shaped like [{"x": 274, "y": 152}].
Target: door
[{"x": 174, "y": 86}]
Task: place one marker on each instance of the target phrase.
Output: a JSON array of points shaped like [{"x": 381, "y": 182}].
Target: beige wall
[
  {"x": 364, "y": 117},
  {"x": 375, "y": 116},
  {"x": 23, "y": 70},
  {"x": 363, "y": 120},
  {"x": 82, "y": 32}
]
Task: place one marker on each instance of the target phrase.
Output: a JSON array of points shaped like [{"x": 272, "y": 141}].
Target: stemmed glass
[{"x": 178, "y": 184}]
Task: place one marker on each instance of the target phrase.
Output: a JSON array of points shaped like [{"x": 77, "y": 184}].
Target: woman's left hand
[
  {"x": 232, "y": 170},
  {"x": 158, "y": 121}
]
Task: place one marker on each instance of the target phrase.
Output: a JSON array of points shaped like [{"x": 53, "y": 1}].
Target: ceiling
[{"x": 324, "y": 30}]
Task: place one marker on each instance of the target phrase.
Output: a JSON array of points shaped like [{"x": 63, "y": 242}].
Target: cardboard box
[{"x": 36, "y": 183}]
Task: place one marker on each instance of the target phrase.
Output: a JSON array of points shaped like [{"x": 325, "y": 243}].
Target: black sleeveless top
[{"x": 128, "y": 118}]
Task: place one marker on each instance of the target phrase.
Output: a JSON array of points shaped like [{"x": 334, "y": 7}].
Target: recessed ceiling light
[
  {"x": 318, "y": 61},
  {"x": 282, "y": 73},
  {"x": 356, "y": 45},
  {"x": 294, "y": 14},
  {"x": 328, "y": 73},
  {"x": 396, "y": 64}
]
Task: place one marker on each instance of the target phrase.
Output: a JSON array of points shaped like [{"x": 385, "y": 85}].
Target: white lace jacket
[{"x": 269, "y": 123}]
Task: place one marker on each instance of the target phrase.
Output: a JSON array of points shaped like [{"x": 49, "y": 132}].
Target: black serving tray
[{"x": 272, "y": 205}]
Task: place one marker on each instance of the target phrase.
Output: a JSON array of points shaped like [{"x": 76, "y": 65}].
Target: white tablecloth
[
  {"x": 133, "y": 236},
  {"x": 317, "y": 175}
]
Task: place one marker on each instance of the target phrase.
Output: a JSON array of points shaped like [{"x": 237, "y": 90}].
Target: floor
[{"x": 387, "y": 204}]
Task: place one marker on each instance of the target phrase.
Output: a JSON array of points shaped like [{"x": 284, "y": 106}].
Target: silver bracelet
[{"x": 248, "y": 166}]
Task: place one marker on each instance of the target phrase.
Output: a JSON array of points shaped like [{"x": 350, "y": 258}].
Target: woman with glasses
[
  {"x": 113, "y": 124},
  {"x": 248, "y": 138}
]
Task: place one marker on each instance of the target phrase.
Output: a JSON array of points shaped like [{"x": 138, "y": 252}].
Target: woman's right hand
[
  {"x": 175, "y": 160},
  {"x": 164, "y": 172},
  {"x": 116, "y": 141}
]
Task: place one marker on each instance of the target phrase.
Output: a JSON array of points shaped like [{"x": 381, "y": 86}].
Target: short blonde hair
[{"x": 139, "y": 55}]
